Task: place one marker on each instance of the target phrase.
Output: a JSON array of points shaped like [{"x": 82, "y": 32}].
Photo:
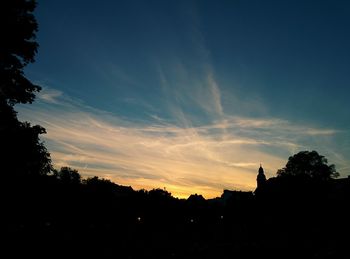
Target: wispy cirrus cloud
[
  {"x": 49, "y": 95},
  {"x": 184, "y": 159},
  {"x": 199, "y": 148}
]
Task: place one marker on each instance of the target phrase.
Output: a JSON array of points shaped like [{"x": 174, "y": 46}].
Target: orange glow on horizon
[{"x": 204, "y": 160}]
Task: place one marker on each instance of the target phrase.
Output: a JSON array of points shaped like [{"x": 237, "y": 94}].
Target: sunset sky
[{"x": 191, "y": 96}]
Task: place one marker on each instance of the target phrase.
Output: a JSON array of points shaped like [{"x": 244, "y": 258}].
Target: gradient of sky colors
[{"x": 191, "y": 95}]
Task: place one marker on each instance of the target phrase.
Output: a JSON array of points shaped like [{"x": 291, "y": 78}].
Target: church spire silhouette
[{"x": 261, "y": 178}]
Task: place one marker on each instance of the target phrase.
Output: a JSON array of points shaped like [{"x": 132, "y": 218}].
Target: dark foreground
[{"x": 48, "y": 218}]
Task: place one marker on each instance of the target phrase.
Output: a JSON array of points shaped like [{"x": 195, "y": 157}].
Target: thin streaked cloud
[
  {"x": 49, "y": 95},
  {"x": 183, "y": 159}
]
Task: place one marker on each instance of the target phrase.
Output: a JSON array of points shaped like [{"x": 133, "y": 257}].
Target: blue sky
[{"x": 191, "y": 95}]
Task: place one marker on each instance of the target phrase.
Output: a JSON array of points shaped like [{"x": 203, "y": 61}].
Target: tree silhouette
[
  {"x": 68, "y": 175},
  {"x": 308, "y": 164},
  {"x": 17, "y": 49},
  {"x": 24, "y": 154}
]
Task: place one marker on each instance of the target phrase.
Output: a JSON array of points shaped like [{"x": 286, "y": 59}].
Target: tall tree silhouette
[
  {"x": 18, "y": 48},
  {"x": 23, "y": 153}
]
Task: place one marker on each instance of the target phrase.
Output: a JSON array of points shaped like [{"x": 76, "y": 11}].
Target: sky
[{"x": 191, "y": 96}]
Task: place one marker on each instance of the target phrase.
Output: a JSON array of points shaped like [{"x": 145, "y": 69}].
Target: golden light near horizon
[{"x": 185, "y": 160}]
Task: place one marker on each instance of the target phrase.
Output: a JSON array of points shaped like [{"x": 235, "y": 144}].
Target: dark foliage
[
  {"x": 17, "y": 48},
  {"x": 95, "y": 217},
  {"x": 68, "y": 175},
  {"x": 306, "y": 164},
  {"x": 22, "y": 151}
]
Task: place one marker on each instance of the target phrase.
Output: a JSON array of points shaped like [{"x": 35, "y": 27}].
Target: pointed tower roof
[
  {"x": 261, "y": 176},
  {"x": 261, "y": 170}
]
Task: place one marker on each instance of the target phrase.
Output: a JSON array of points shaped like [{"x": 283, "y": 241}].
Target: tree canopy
[
  {"x": 308, "y": 164},
  {"x": 17, "y": 48},
  {"x": 23, "y": 152},
  {"x": 68, "y": 175}
]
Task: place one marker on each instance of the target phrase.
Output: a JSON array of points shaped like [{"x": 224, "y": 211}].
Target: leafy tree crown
[{"x": 308, "y": 164}]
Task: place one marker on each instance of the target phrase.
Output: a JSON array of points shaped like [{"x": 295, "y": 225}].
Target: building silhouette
[
  {"x": 261, "y": 178},
  {"x": 229, "y": 195}
]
